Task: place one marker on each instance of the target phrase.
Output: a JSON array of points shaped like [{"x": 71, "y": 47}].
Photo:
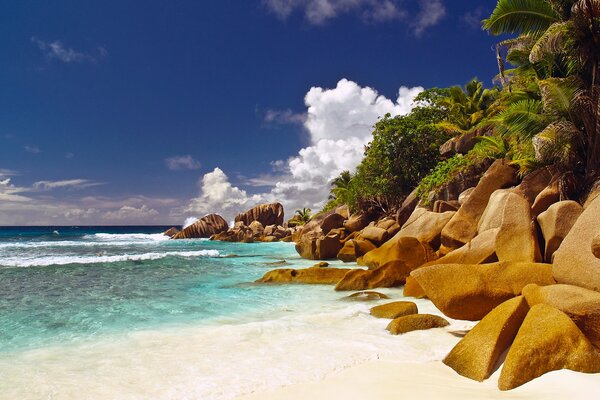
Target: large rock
[
  {"x": 306, "y": 246},
  {"x": 463, "y": 225},
  {"x": 469, "y": 292},
  {"x": 580, "y": 304},
  {"x": 547, "y": 197},
  {"x": 328, "y": 247},
  {"x": 480, "y": 250},
  {"x": 171, "y": 232},
  {"x": 394, "y": 310},
  {"x": 535, "y": 182},
  {"x": 416, "y": 322},
  {"x": 357, "y": 222},
  {"x": 406, "y": 209},
  {"x": 389, "y": 275},
  {"x": 426, "y": 226},
  {"x": 461, "y": 144},
  {"x": 367, "y": 296},
  {"x": 413, "y": 289},
  {"x": 205, "y": 227},
  {"x": 355, "y": 248},
  {"x": 375, "y": 234},
  {"x": 266, "y": 214},
  {"x": 517, "y": 238},
  {"x": 313, "y": 275},
  {"x": 257, "y": 228},
  {"x": 477, "y": 353},
  {"x": 547, "y": 341},
  {"x": 406, "y": 249},
  {"x": 332, "y": 221},
  {"x": 556, "y": 222},
  {"x": 574, "y": 261}
]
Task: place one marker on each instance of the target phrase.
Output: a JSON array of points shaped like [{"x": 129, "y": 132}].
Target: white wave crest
[
  {"x": 65, "y": 260},
  {"x": 138, "y": 237}
]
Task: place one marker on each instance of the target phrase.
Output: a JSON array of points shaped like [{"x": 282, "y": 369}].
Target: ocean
[{"x": 126, "y": 313}]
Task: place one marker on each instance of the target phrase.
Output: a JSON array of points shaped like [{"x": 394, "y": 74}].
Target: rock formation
[{"x": 205, "y": 227}]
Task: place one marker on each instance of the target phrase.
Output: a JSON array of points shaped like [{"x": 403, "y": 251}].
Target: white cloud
[
  {"x": 59, "y": 51},
  {"x": 432, "y": 12},
  {"x": 32, "y": 149},
  {"x": 320, "y": 11},
  {"x": 10, "y": 192},
  {"x": 284, "y": 117},
  {"x": 7, "y": 172},
  {"x": 339, "y": 124},
  {"x": 178, "y": 163},
  {"x": 217, "y": 194},
  {"x": 67, "y": 183},
  {"x": 130, "y": 213}
]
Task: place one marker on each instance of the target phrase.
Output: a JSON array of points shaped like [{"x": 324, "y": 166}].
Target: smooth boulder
[
  {"x": 408, "y": 249},
  {"x": 463, "y": 225},
  {"x": 580, "y": 304},
  {"x": 574, "y": 261},
  {"x": 470, "y": 292},
  {"x": 416, "y": 322},
  {"x": 556, "y": 223},
  {"x": 205, "y": 227},
  {"x": 382, "y": 277},
  {"x": 313, "y": 275},
  {"x": 477, "y": 353},
  {"x": 394, "y": 310},
  {"x": 547, "y": 341},
  {"x": 266, "y": 214}
]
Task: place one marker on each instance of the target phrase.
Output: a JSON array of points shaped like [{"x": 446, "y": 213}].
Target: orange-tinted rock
[
  {"x": 382, "y": 277},
  {"x": 477, "y": 353},
  {"x": 580, "y": 304},
  {"x": 354, "y": 248},
  {"x": 535, "y": 182},
  {"x": 171, "y": 232},
  {"x": 328, "y": 247},
  {"x": 357, "y": 222},
  {"x": 441, "y": 206},
  {"x": 413, "y": 289},
  {"x": 394, "y": 310},
  {"x": 480, "y": 250},
  {"x": 556, "y": 222},
  {"x": 574, "y": 261},
  {"x": 313, "y": 275},
  {"x": 367, "y": 296},
  {"x": 547, "y": 341},
  {"x": 463, "y": 225},
  {"x": 332, "y": 221},
  {"x": 205, "y": 227},
  {"x": 406, "y": 209},
  {"x": 407, "y": 249},
  {"x": 416, "y": 322},
  {"x": 266, "y": 214},
  {"x": 426, "y": 226},
  {"x": 375, "y": 234},
  {"x": 469, "y": 292},
  {"x": 545, "y": 199}
]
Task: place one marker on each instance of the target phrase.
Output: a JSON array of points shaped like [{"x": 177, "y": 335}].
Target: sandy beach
[{"x": 393, "y": 380}]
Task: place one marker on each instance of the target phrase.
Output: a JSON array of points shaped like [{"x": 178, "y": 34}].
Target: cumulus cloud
[
  {"x": 339, "y": 123},
  {"x": 320, "y": 11},
  {"x": 430, "y": 14},
  {"x": 217, "y": 194},
  {"x": 178, "y": 163},
  {"x": 57, "y": 50}
]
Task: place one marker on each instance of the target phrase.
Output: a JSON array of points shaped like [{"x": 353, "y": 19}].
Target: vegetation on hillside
[{"x": 545, "y": 111}]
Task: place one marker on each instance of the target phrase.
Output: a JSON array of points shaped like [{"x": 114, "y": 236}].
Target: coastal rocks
[
  {"x": 547, "y": 341},
  {"x": 357, "y": 222},
  {"x": 477, "y": 353},
  {"x": 332, "y": 221},
  {"x": 535, "y": 182},
  {"x": 407, "y": 250},
  {"x": 517, "y": 238},
  {"x": 394, "y": 310},
  {"x": 460, "y": 144},
  {"x": 469, "y": 292},
  {"x": 171, "y": 232},
  {"x": 367, "y": 296},
  {"x": 205, "y": 227},
  {"x": 354, "y": 248},
  {"x": 375, "y": 235},
  {"x": 556, "y": 222},
  {"x": 574, "y": 261},
  {"x": 416, "y": 322},
  {"x": 385, "y": 276},
  {"x": 266, "y": 214},
  {"x": 480, "y": 250},
  {"x": 581, "y": 305},
  {"x": 313, "y": 275},
  {"x": 412, "y": 288},
  {"x": 426, "y": 226},
  {"x": 327, "y": 247},
  {"x": 547, "y": 197},
  {"x": 463, "y": 225}
]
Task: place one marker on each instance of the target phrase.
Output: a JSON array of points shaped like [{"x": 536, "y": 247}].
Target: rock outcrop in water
[
  {"x": 205, "y": 227},
  {"x": 266, "y": 214}
]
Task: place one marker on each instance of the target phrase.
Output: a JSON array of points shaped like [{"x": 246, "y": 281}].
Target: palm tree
[
  {"x": 340, "y": 187},
  {"x": 303, "y": 215},
  {"x": 559, "y": 46}
]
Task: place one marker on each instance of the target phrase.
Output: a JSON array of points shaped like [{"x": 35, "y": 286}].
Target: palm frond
[
  {"x": 521, "y": 16},
  {"x": 557, "y": 96},
  {"x": 554, "y": 40}
]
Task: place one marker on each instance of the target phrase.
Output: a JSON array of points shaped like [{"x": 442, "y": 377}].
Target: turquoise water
[{"x": 71, "y": 284}]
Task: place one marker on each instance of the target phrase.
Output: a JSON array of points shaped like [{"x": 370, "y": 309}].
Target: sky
[{"x": 153, "y": 112}]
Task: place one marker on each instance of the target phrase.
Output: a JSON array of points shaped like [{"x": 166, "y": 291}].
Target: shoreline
[{"x": 430, "y": 380}]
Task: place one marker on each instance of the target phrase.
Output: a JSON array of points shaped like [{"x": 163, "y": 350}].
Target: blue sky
[{"x": 121, "y": 112}]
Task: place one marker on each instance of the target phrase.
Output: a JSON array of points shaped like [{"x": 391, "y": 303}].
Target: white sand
[{"x": 383, "y": 380}]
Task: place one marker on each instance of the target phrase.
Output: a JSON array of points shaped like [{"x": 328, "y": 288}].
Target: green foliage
[
  {"x": 301, "y": 217},
  {"x": 442, "y": 174},
  {"x": 529, "y": 17}
]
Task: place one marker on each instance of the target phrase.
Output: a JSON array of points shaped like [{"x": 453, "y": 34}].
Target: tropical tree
[
  {"x": 303, "y": 215},
  {"x": 558, "y": 49}
]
